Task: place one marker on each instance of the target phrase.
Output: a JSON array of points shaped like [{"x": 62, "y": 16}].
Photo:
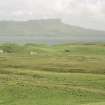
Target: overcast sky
[{"x": 88, "y": 13}]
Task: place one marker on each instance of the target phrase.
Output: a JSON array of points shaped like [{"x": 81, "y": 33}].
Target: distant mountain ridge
[{"x": 43, "y": 27}]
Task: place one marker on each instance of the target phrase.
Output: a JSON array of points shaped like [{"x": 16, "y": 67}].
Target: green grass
[
  {"x": 70, "y": 74},
  {"x": 97, "y": 103}
]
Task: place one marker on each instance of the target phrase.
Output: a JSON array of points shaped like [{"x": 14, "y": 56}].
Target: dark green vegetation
[
  {"x": 68, "y": 74},
  {"x": 46, "y": 27}
]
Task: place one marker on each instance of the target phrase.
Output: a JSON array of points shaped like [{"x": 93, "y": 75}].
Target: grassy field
[{"x": 70, "y": 74}]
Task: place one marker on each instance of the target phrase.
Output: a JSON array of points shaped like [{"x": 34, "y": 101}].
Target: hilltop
[{"x": 43, "y": 27}]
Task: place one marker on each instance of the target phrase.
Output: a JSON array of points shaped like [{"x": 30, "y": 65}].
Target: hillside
[
  {"x": 43, "y": 27},
  {"x": 70, "y": 74}
]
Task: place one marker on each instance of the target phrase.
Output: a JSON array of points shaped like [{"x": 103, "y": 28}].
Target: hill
[
  {"x": 43, "y": 27},
  {"x": 70, "y": 74}
]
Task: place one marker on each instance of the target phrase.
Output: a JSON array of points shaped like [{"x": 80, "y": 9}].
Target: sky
[{"x": 85, "y": 13}]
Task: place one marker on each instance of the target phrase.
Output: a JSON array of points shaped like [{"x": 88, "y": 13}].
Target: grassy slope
[{"x": 55, "y": 75}]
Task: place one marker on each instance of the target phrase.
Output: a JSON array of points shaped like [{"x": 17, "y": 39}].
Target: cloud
[{"x": 88, "y": 13}]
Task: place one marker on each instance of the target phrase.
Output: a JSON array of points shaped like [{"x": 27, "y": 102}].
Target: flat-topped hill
[{"x": 43, "y": 27}]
